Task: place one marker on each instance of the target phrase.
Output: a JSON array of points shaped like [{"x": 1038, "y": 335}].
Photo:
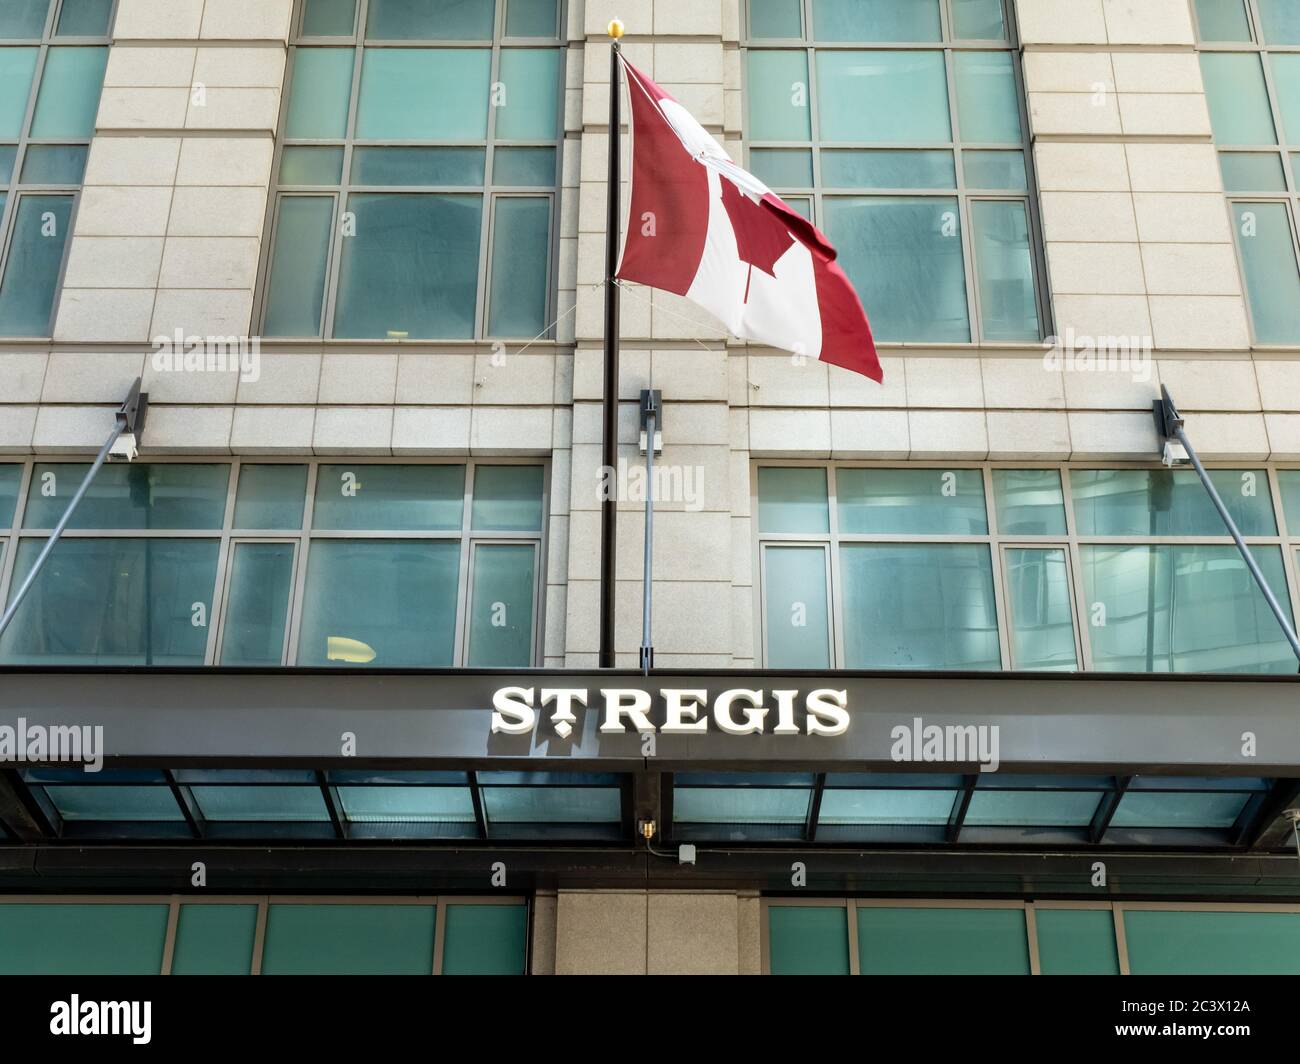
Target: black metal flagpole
[{"x": 609, "y": 450}]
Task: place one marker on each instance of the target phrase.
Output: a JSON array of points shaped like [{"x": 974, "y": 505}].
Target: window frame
[
  {"x": 228, "y": 535},
  {"x": 488, "y": 192},
  {"x": 948, "y": 45},
  {"x": 16, "y": 191},
  {"x": 1282, "y": 150},
  {"x": 1285, "y": 539}
]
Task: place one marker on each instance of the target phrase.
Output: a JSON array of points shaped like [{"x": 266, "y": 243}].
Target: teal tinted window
[
  {"x": 1042, "y": 622},
  {"x": 319, "y": 93},
  {"x": 507, "y": 498},
  {"x": 1212, "y": 943},
  {"x": 1252, "y": 172},
  {"x": 882, "y": 97},
  {"x": 270, "y": 496},
  {"x": 922, "y": 501},
  {"x": 69, "y": 98},
  {"x": 329, "y": 18},
  {"x": 501, "y": 605},
  {"x": 1268, "y": 260},
  {"x": 877, "y": 20},
  {"x": 796, "y": 621},
  {"x": 978, "y": 20},
  {"x": 430, "y": 20},
  {"x": 484, "y": 939},
  {"x": 214, "y": 940},
  {"x": 888, "y": 169},
  {"x": 523, "y": 167},
  {"x": 54, "y": 164},
  {"x": 1288, "y": 482},
  {"x": 1286, "y": 86},
  {"x": 17, "y": 68},
  {"x": 418, "y": 166},
  {"x": 300, "y": 256},
  {"x": 122, "y": 939},
  {"x": 388, "y": 604},
  {"x": 528, "y": 106},
  {"x": 85, "y": 18},
  {"x": 782, "y": 167},
  {"x": 349, "y": 939},
  {"x": 1280, "y": 21},
  {"x": 808, "y": 940},
  {"x": 995, "y": 169},
  {"x": 775, "y": 18},
  {"x": 1076, "y": 942},
  {"x": 114, "y": 602},
  {"x": 1029, "y": 502},
  {"x": 22, "y": 20},
  {"x": 36, "y": 244},
  {"x": 777, "y": 94},
  {"x": 935, "y": 941},
  {"x": 792, "y": 500},
  {"x": 531, "y": 18},
  {"x": 919, "y": 606},
  {"x": 1223, "y": 20},
  {"x": 311, "y": 166},
  {"x": 413, "y": 498},
  {"x": 11, "y": 476},
  {"x": 1163, "y": 502},
  {"x": 1183, "y": 609},
  {"x": 988, "y": 105},
  {"x": 1238, "y": 99},
  {"x": 260, "y": 584},
  {"x": 521, "y": 243},
  {"x": 159, "y": 495},
  {"x": 1004, "y": 262},
  {"x": 456, "y": 77}
]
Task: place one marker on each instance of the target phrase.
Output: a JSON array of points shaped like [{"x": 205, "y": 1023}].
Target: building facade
[{"x": 355, "y": 250}]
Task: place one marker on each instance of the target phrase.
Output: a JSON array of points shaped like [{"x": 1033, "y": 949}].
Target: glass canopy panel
[
  {"x": 407, "y": 805},
  {"x": 1173, "y": 809},
  {"x": 884, "y": 806},
  {"x": 261, "y": 803},
  {"x": 1003, "y": 808},
  {"x": 114, "y": 802},
  {"x": 551, "y": 805}
]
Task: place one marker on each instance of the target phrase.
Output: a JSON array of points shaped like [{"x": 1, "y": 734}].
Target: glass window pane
[
  {"x": 457, "y": 78},
  {"x": 933, "y": 941},
  {"x": 741, "y": 805},
  {"x": 1032, "y": 809},
  {"x": 1029, "y": 502},
  {"x": 1288, "y": 481},
  {"x": 356, "y": 939},
  {"x": 1182, "y": 609},
  {"x": 1286, "y": 84},
  {"x": 1281, "y": 21},
  {"x": 295, "y": 295},
  {"x": 808, "y": 940},
  {"x": 531, "y": 18},
  {"x": 1042, "y": 623},
  {"x": 882, "y": 97},
  {"x": 550, "y": 805},
  {"x": 507, "y": 498},
  {"x": 783, "y": 167},
  {"x": 1209, "y": 809},
  {"x": 778, "y": 96},
  {"x": 1223, "y": 20},
  {"x": 1076, "y": 942},
  {"x": 11, "y": 476},
  {"x": 407, "y": 805},
  {"x": 1163, "y": 502},
  {"x": 22, "y": 20},
  {"x": 775, "y": 18},
  {"x": 411, "y": 271},
  {"x": 115, "y": 602},
  {"x": 919, "y": 606},
  {"x": 800, "y": 204},
  {"x": 1252, "y": 171},
  {"x": 270, "y": 496},
  {"x": 792, "y": 500},
  {"x": 17, "y": 67},
  {"x": 988, "y": 107},
  {"x": 888, "y": 169},
  {"x": 521, "y": 245},
  {"x": 320, "y": 93},
  {"x": 1272, "y": 277},
  {"x": 868, "y": 807},
  {"x": 1212, "y": 943},
  {"x": 116, "y": 939},
  {"x": 524, "y": 167},
  {"x": 69, "y": 98},
  {"x": 31, "y": 279},
  {"x": 995, "y": 169},
  {"x": 529, "y": 105},
  {"x": 329, "y": 18},
  {"x": 1239, "y": 107},
  {"x": 261, "y": 804},
  {"x": 390, "y": 604},
  {"x": 54, "y": 164},
  {"x": 418, "y": 166},
  {"x": 921, "y": 501},
  {"x": 159, "y": 495},
  {"x": 85, "y": 18},
  {"x": 311, "y": 166},
  {"x": 485, "y": 939},
  {"x": 451, "y": 20},
  {"x": 8, "y": 155},
  {"x": 261, "y": 580},
  {"x": 214, "y": 940},
  {"x": 904, "y": 258},
  {"x": 978, "y": 20},
  {"x": 398, "y": 498},
  {"x": 795, "y": 608},
  {"x": 877, "y": 20},
  {"x": 1004, "y": 265},
  {"x": 501, "y": 606},
  {"x": 115, "y": 804}
]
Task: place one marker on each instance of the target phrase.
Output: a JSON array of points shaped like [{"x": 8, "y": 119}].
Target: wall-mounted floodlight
[
  {"x": 123, "y": 446},
  {"x": 1176, "y": 449}
]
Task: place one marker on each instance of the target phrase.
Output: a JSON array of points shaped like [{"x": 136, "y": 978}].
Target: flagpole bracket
[{"x": 652, "y": 418}]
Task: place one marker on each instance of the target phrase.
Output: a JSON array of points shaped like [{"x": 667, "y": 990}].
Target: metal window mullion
[
  {"x": 487, "y": 206},
  {"x": 301, "y": 559},
  {"x": 464, "y": 574},
  {"x": 9, "y": 559},
  {"x": 1081, "y": 611},
  {"x": 1001, "y": 595},
  {"x": 974, "y": 324},
  {"x": 834, "y": 588},
  {"x": 335, "y": 267},
  {"x": 1289, "y": 561}
]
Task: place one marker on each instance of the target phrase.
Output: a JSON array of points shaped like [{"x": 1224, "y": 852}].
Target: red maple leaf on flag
[{"x": 761, "y": 239}]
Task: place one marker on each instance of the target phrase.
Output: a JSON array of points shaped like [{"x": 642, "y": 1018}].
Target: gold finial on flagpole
[{"x": 616, "y": 28}]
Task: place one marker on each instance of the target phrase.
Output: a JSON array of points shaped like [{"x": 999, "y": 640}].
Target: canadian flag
[{"x": 703, "y": 228}]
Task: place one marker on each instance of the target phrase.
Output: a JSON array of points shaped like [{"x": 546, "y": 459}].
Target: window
[
  {"x": 1250, "y": 59},
  {"x": 941, "y": 567},
  {"x": 260, "y": 564},
  {"x": 427, "y": 220},
  {"x": 52, "y": 59},
  {"x": 898, "y": 127}
]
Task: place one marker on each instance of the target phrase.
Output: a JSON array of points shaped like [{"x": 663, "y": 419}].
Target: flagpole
[{"x": 609, "y": 450}]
